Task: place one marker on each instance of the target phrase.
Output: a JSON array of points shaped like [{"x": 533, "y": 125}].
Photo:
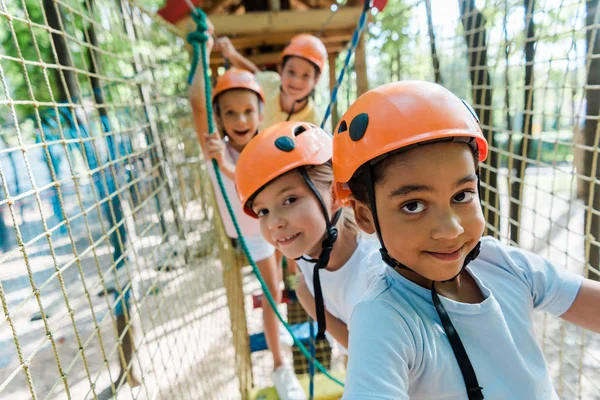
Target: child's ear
[
  {"x": 335, "y": 202},
  {"x": 261, "y": 113},
  {"x": 362, "y": 215},
  {"x": 317, "y": 76}
]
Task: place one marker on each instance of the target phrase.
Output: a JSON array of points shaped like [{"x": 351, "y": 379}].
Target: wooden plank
[
  {"x": 280, "y": 21},
  {"x": 360, "y": 67},
  {"x": 245, "y": 42},
  {"x": 325, "y": 389},
  {"x": 265, "y": 58},
  {"x": 332, "y": 81}
]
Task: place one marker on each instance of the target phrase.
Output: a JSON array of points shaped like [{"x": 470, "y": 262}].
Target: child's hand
[
  {"x": 211, "y": 34},
  {"x": 224, "y": 45},
  {"x": 215, "y": 148}
]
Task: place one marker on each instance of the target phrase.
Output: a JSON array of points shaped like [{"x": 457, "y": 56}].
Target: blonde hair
[{"x": 322, "y": 177}]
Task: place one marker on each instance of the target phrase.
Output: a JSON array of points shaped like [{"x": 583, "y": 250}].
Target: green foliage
[{"x": 23, "y": 41}]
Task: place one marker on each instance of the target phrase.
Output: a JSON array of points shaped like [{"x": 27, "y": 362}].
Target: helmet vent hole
[
  {"x": 343, "y": 127},
  {"x": 300, "y": 129}
]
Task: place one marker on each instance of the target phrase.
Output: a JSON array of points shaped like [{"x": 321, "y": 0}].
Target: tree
[
  {"x": 473, "y": 22},
  {"x": 520, "y": 162},
  {"x": 434, "y": 57}
]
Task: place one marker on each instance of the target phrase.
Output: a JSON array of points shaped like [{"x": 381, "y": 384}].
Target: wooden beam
[
  {"x": 332, "y": 80},
  {"x": 265, "y": 58},
  {"x": 219, "y": 6},
  {"x": 360, "y": 67},
  {"x": 284, "y": 21},
  {"x": 246, "y": 42},
  {"x": 275, "y": 5}
]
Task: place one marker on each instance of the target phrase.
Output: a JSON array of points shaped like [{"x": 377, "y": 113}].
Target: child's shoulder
[
  {"x": 268, "y": 78},
  {"x": 499, "y": 260},
  {"x": 495, "y": 252}
]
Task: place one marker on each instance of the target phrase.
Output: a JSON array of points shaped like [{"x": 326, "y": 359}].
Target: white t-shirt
[
  {"x": 344, "y": 287},
  {"x": 399, "y": 350},
  {"x": 248, "y": 225}
]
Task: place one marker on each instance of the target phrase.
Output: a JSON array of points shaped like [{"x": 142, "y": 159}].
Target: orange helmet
[
  {"x": 235, "y": 78},
  {"x": 308, "y": 47},
  {"x": 279, "y": 149},
  {"x": 395, "y": 116}
]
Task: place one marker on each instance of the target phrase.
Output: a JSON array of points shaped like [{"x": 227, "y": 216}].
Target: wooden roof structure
[{"x": 260, "y": 29}]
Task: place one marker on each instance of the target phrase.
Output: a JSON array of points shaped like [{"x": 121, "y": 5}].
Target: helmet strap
[
  {"x": 295, "y": 102},
  {"x": 331, "y": 236}
]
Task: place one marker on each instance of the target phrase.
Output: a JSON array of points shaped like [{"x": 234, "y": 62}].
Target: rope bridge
[{"x": 116, "y": 275}]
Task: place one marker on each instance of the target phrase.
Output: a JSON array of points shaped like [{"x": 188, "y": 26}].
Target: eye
[
  {"x": 413, "y": 207},
  {"x": 229, "y": 113},
  {"x": 289, "y": 200},
  {"x": 249, "y": 111},
  {"x": 262, "y": 212},
  {"x": 464, "y": 197}
]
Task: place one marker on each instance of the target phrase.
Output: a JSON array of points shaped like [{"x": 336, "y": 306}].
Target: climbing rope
[{"x": 197, "y": 40}]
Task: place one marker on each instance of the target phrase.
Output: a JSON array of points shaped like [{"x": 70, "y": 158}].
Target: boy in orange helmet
[
  {"x": 238, "y": 104},
  {"x": 452, "y": 316}
]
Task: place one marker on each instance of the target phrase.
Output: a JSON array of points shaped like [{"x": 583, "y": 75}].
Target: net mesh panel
[{"x": 109, "y": 252}]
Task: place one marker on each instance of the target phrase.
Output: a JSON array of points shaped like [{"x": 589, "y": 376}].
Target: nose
[
  {"x": 275, "y": 221},
  {"x": 243, "y": 118},
  {"x": 448, "y": 226}
]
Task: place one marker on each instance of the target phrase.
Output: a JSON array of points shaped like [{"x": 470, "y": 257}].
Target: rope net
[
  {"x": 109, "y": 253},
  {"x": 115, "y": 269}
]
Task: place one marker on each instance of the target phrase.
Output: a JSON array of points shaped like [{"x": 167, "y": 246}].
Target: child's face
[
  {"x": 428, "y": 209},
  {"x": 298, "y": 78},
  {"x": 290, "y": 216},
  {"x": 240, "y": 115}
]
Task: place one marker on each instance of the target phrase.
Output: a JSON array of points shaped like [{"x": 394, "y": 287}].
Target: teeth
[{"x": 286, "y": 238}]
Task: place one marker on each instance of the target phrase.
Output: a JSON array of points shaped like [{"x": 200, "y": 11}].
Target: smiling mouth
[
  {"x": 287, "y": 239},
  {"x": 447, "y": 255},
  {"x": 241, "y": 133}
]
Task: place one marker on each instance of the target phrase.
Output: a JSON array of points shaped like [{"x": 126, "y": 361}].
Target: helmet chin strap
[
  {"x": 474, "y": 391},
  {"x": 294, "y": 104},
  {"x": 331, "y": 235}
]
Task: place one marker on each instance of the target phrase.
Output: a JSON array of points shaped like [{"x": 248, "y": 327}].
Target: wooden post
[
  {"x": 232, "y": 261},
  {"x": 332, "y": 80},
  {"x": 214, "y": 73},
  {"x": 360, "y": 66},
  {"x": 275, "y": 5}
]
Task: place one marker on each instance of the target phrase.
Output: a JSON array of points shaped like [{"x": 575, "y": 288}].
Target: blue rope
[
  {"x": 198, "y": 40},
  {"x": 357, "y": 32}
]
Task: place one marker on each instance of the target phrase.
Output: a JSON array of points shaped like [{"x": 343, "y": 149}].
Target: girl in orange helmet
[
  {"x": 452, "y": 316},
  {"x": 288, "y": 94},
  {"x": 285, "y": 180},
  {"x": 238, "y": 104}
]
